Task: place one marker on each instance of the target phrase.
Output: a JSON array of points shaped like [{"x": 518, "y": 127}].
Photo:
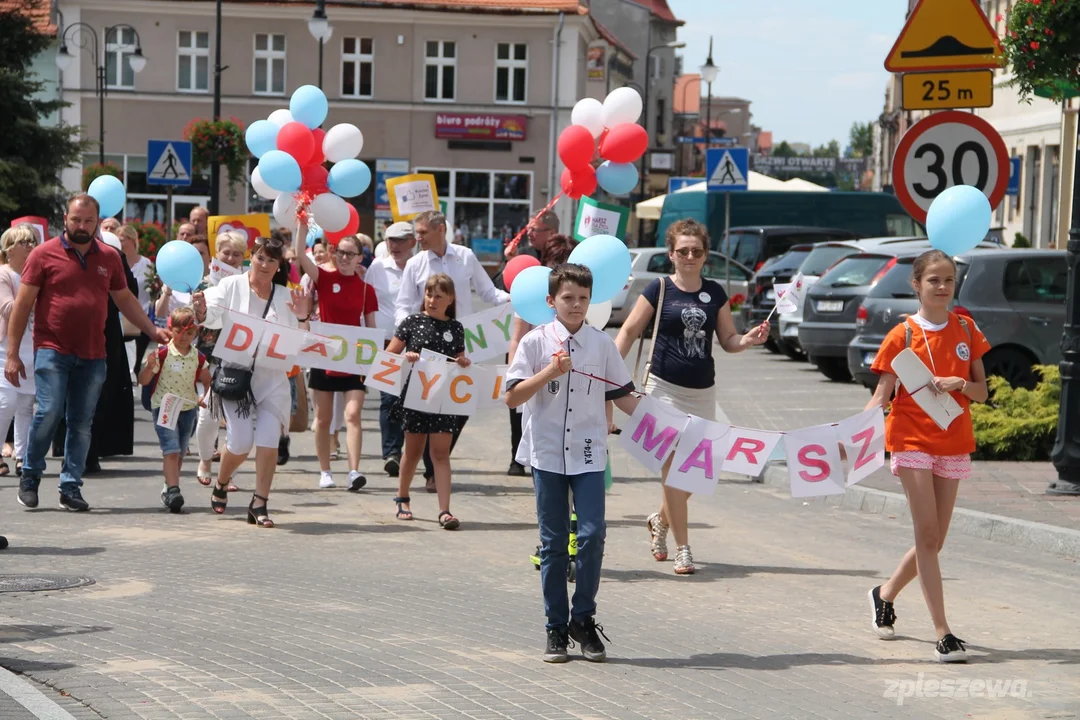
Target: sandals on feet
[
  {"x": 259, "y": 515},
  {"x": 403, "y": 513},
  {"x": 448, "y": 521},
  {"x": 219, "y": 498},
  {"x": 204, "y": 480},
  {"x": 4, "y": 469}
]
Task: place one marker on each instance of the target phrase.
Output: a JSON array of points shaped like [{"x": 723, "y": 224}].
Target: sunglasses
[
  {"x": 270, "y": 242},
  {"x": 690, "y": 252}
]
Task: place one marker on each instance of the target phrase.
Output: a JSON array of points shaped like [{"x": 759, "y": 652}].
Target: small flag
[{"x": 790, "y": 296}]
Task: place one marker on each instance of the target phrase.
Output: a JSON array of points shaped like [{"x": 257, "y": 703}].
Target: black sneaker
[
  {"x": 28, "y": 488},
  {"x": 557, "y": 641},
  {"x": 587, "y": 634},
  {"x": 950, "y": 649},
  {"x": 356, "y": 481},
  {"x": 3, "y": 543},
  {"x": 392, "y": 466},
  {"x": 516, "y": 469},
  {"x": 73, "y": 500},
  {"x": 881, "y": 612},
  {"x": 283, "y": 450},
  {"x": 171, "y": 499}
]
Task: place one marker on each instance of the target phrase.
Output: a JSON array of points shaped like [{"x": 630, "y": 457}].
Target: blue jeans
[
  {"x": 393, "y": 435},
  {"x": 553, "y": 513},
  {"x": 67, "y": 386},
  {"x": 175, "y": 441}
]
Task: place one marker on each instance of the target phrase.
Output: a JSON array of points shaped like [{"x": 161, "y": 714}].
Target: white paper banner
[
  {"x": 169, "y": 412},
  {"x": 219, "y": 270},
  {"x": 487, "y": 333},
  {"x": 494, "y": 379},
  {"x": 747, "y": 450},
  {"x": 240, "y": 335},
  {"x": 652, "y": 432},
  {"x": 428, "y": 386},
  {"x": 863, "y": 438},
  {"x": 813, "y": 459},
  {"x": 699, "y": 457},
  {"x": 462, "y": 392},
  {"x": 279, "y": 347},
  {"x": 344, "y": 348},
  {"x": 387, "y": 373}
]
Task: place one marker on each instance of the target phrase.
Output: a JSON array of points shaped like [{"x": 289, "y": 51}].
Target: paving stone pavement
[{"x": 343, "y": 612}]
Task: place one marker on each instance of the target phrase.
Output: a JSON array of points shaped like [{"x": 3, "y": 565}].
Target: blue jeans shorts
[{"x": 175, "y": 441}]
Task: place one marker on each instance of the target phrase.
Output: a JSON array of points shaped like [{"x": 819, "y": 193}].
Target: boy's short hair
[
  {"x": 569, "y": 273},
  {"x": 181, "y": 318}
]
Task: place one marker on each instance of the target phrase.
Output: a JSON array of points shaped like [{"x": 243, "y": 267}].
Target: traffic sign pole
[{"x": 727, "y": 231}]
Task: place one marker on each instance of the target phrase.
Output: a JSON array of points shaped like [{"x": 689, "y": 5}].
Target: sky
[{"x": 810, "y": 69}]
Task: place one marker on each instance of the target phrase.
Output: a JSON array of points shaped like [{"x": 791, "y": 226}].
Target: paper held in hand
[
  {"x": 916, "y": 377},
  {"x": 169, "y": 412}
]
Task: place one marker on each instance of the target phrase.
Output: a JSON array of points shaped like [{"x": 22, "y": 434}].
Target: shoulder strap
[
  {"x": 964, "y": 324},
  {"x": 162, "y": 354},
  {"x": 907, "y": 334},
  {"x": 270, "y": 300}
]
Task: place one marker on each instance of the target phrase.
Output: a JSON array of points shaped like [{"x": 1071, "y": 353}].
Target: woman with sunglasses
[
  {"x": 344, "y": 299},
  {"x": 692, "y": 311},
  {"x": 260, "y": 419},
  {"x": 16, "y": 403}
]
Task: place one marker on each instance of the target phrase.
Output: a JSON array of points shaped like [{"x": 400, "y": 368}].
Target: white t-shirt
[{"x": 138, "y": 270}]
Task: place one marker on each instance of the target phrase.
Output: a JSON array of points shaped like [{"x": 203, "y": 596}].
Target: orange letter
[
  {"x": 383, "y": 376},
  {"x": 427, "y": 384},
  {"x": 319, "y": 348},
  {"x": 231, "y": 342},
  {"x": 497, "y": 394},
  {"x": 460, "y": 399},
  {"x": 271, "y": 352}
]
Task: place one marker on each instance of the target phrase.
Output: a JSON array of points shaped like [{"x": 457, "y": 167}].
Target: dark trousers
[
  {"x": 393, "y": 434},
  {"x": 429, "y": 467},
  {"x": 142, "y": 341},
  {"x": 515, "y": 433}
]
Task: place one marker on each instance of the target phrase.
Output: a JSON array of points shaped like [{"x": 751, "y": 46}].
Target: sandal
[
  {"x": 450, "y": 523},
  {"x": 4, "y": 469},
  {"x": 232, "y": 488},
  {"x": 18, "y": 468},
  {"x": 204, "y": 480},
  {"x": 219, "y": 498},
  {"x": 403, "y": 513},
  {"x": 259, "y": 516}
]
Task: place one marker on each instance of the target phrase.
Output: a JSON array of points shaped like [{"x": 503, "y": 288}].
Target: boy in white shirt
[{"x": 564, "y": 372}]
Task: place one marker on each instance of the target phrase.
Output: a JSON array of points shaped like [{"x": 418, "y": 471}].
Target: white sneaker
[{"x": 326, "y": 480}]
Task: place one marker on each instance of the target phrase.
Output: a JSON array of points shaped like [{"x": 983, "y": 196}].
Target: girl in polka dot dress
[{"x": 433, "y": 329}]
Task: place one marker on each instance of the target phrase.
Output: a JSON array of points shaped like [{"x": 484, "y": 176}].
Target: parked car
[
  {"x": 647, "y": 264},
  {"x": 1015, "y": 296},
  {"x": 754, "y": 246}
]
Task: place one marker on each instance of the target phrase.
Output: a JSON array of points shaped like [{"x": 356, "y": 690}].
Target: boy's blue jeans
[
  {"x": 553, "y": 512},
  {"x": 66, "y": 386}
]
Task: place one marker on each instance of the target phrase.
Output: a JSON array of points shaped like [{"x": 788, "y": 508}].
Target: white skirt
[{"x": 692, "y": 401}]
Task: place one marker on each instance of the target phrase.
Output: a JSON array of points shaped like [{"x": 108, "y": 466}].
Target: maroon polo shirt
[{"x": 73, "y": 295}]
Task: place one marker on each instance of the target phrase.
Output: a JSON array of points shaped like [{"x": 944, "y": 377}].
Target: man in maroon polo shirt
[{"x": 67, "y": 283}]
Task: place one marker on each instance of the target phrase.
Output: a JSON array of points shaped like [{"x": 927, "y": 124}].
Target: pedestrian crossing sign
[
  {"x": 168, "y": 163},
  {"x": 727, "y": 169}
]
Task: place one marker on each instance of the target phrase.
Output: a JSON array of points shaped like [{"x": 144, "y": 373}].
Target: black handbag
[{"x": 233, "y": 383}]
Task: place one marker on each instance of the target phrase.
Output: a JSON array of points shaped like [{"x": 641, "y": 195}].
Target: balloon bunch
[
  {"x": 293, "y": 151},
  {"x": 610, "y": 127}
]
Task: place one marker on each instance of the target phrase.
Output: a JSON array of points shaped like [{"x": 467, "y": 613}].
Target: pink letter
[
  {"x": 663, "y": 441},
  {"x": 701, "y": 457},
  {"x": 748, "y": 447},
  {"x": 865, "y": 437},
  {"x": 821, "y": 465}
]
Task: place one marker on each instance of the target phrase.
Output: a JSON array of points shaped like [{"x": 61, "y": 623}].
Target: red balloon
[
  {"x": 624, "y": 143},
  {"x": 516, "y": 265},
  {"x": 350, "y": 228},
  {"x": 576, "y": 147},
  {"x": 314, "y": 180},
  {"x": 295, "y": 139},
  {"x": 317, "y": 156},
  {"x": 576, "y": 183}
]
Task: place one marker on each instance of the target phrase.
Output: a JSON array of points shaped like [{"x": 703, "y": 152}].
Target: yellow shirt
[{"x": 177, "y": 376}]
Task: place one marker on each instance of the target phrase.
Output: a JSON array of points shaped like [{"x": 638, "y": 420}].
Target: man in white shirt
[{"x": 385, "y": 276}]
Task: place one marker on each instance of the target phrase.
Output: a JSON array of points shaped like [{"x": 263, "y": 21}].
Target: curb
[
  {"x": 999, "y": 528},
  {"x": 30, "y": 700}
]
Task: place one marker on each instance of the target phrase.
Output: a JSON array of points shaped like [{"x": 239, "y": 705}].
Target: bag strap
[
  {"x": 964, "y": 324},
  {"x": 907, "y": 334},
  {"x": 655, "y": 329},
  {"x": 162, "y": 353}
]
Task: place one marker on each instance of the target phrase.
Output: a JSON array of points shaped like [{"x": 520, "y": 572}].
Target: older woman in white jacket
[{"x": 262, "y": 426}]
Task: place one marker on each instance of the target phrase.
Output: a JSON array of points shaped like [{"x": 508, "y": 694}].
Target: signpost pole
[
  {"x": 168, "y": 213},
  {"x": 727, "y": 230}
]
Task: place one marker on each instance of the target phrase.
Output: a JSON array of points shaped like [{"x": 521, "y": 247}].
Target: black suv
[{"x": 754, "y": 246}]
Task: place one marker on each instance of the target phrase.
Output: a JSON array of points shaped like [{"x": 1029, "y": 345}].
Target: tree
[
  {"x": 832, "y": 150},
  {"x": 861, "y": 139},
  {"x": 31, "y": 155},
  {"x": 783, "y": 150}
]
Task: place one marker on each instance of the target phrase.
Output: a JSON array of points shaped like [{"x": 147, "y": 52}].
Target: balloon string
[{"x": 513, "y": 246}]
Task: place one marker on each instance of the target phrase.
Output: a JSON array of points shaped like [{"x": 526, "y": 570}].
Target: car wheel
[
  {"x": 1013, "y": 365},
  {"x": 835, "y": 369},
  {"x": 770, "y": 345},
  {"x": 792, "y": 351}
]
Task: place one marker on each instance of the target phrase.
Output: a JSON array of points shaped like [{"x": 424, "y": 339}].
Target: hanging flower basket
[
  {"x": 91, "y": 173},
  {"x": 1042, "y": 45},
  {"x": 221, "y": 141}
]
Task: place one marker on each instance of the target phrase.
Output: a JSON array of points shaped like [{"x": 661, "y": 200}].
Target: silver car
[{"x": 647, "y": 264}]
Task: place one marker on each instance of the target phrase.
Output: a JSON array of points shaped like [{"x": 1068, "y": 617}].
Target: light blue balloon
[
  {"x": 308, "y": 105},
  {"x": 280, "y": 171},
  {"x": 528, "y": 295},
  {"x": 110, "y": 194},
  {"x": 349, "y": 178},
  {"x": 261, "y": 137},
  {"x": 314, "y": 233},
  {"x": 609, "y": 260},
  {"x": 617, "y": 178},
  {"x": 958, "y": 219},
  {"x": 180, "y": 266}
]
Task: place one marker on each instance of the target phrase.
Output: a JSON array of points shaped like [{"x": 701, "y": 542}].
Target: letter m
[{"x": 647, "y": 437}]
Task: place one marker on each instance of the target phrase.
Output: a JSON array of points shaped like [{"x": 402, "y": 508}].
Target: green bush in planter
[{"x": 1018, "y": 424}]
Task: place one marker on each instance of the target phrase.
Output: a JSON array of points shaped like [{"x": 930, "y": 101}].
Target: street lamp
[
  {"x": 84, "y": 37},
  {"x": 708, "y": 74},
  {"x": 674, "y": 44},
  {"x": 320, "y": 29}
]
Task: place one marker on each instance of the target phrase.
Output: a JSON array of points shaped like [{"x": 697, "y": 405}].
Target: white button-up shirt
[
  {"x": 564, "y": 427},
  {"x": 385, "y": 276},
  {"x": 463, "y": 268}
]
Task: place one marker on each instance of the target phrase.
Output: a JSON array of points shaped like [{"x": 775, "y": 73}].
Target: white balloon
[
  {"x": 589, "y": 113},
  {"x": 330, "y": 211},
  {"x": 623, "y": 105},
  {"x": 259, "y": 186},
  {"x": 599, "y": 314},
  {"x": 111, "y": 240},
  {"x": 285, "y": 210},
  {"x": 342, "y": 142},
  {"x": 280, "y": 117}
]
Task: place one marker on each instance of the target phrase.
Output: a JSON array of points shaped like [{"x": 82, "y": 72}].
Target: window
[
  {"x": 485, "y": 204},
  {"x": 269, "y": 64},
  {"x": 854, "y": 271},
  {"x": 440, "y": 70},
  {"x": 511, "y": 72},
  {"x": 716, "y": 268},
  {"x": 119, "y": 46},
  {"x": 1038, "y": 280},
  {"x": 357, "y": 67},
  {"x": 661, "y": 111},
  {"x": 193, "y": 61}
]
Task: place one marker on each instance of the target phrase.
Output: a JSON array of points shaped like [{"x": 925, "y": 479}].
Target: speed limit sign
[{"x": 947, "y": 149}]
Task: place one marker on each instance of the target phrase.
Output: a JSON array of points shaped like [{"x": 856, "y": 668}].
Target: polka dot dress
[{"x": 446, "y": 337}]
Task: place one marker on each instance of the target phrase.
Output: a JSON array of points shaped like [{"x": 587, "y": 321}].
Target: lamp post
[
  {"x": 674, "y": 44},
  {"x": 320, "y": 29},
  {"x": 215, "y": 166},
  {"x": 83, "y": 36},
  {"x": 708, "y": 74}
]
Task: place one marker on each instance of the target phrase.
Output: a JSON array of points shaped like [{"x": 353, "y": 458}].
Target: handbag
[
  {"x": 652, "y": 345},
  {"x": 233, "y": 383}
]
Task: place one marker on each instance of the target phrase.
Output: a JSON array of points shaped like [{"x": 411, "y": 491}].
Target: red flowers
[{"x": 1034, "y": 44}]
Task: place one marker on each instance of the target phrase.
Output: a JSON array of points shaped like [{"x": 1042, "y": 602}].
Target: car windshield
[
  {"x": 824, "y": 257},
  {"x": 746, "y": 246},
  {"x": 854, "y": 271},
  {"x": 788, "y": 262}
]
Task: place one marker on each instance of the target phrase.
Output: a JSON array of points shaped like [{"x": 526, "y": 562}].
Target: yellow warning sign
[{"x": 945, "y": 35}]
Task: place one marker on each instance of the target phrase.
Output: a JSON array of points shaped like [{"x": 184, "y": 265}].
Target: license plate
[
  {"x": 770, "y": 294},
  {"x": 868, "y": 358},
  {"x": 830, "y": 305}
]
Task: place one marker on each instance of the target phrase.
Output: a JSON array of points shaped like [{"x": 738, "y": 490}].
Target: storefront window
[
  {"x": 472, "y": 219},
  {"x": 473, "y": 184},
  {"x": 485, "y": 204},
  {"x": 512, "y": 186}
]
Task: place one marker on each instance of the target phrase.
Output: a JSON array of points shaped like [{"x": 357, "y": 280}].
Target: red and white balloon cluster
[
  {"x": 611, "y": 128},
  {"x": 293, "y": 154}
]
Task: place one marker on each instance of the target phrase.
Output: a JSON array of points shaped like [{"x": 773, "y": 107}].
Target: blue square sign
[
  {"x": 727, "y": 169},
  {"x": 168, "y": 162}
]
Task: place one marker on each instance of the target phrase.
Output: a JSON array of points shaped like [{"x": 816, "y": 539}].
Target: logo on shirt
[
  {"x": 448, "y": 336},
  {"x": 963, "y": 351},
  {"x": 705, "y": 297},
  {"x": 553, "y": 387},
  {"x": 336, "y": 288},
  {"x": 102, "y": 270}
]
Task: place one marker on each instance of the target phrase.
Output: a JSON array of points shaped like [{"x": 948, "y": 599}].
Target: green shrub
[
  {"x": 1021, "y": 241},
  {"x": 1018, "y": 424}
]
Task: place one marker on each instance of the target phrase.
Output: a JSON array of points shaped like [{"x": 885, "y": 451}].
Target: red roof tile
[
  {"x": 574, "y": 7},
  {"x": 606, "y": 34},
  {"x": 660, "y": 9},
  {"x": 686, "y": 97},
  {"x": 38, "y": 10}
]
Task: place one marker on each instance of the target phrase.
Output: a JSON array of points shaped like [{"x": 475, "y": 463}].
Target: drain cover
[{"x": 38, "y": 583}]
